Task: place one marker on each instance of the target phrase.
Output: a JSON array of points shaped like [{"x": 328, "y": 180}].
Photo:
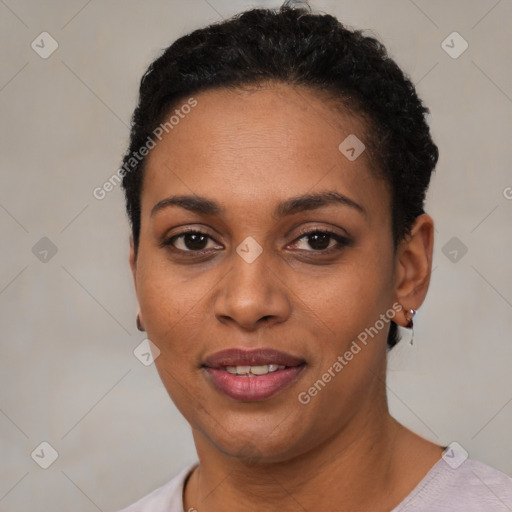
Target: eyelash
[{"x": 341, "y": 240}]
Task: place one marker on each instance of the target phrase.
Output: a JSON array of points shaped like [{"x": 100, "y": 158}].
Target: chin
[{"x": 252, "y": 445}]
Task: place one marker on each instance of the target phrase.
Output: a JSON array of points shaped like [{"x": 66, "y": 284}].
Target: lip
[
  {"x": 254, "y": 357},
  {"x": 257, "y": 387}
]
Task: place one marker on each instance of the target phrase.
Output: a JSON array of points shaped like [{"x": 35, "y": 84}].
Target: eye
[
  {"x": 189, "y": 241},
  {"x": 320, "y": 241}
]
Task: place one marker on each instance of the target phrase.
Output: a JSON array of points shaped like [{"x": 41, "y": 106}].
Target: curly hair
[{"x": 294, "y": 46}]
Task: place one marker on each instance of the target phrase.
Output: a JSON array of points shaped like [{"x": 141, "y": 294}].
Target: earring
[
  {"x": 410, "y": 323},
  {"x": 139, "y": 324}
]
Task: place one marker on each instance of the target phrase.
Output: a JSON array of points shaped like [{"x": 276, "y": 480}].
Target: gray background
[{"x": 68, "y": 375}]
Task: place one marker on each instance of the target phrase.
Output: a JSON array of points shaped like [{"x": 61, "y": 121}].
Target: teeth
[{"x": 250, "y": 371}]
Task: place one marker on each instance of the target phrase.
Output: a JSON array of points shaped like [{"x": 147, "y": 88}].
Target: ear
[
  {"x": 133, "y": 266},
  {"x": 133, "y": 261},
  {"x": 414, "y": 266}
]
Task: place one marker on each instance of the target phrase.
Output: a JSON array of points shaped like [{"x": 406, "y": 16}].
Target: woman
[{"x": 275, "y": 185}]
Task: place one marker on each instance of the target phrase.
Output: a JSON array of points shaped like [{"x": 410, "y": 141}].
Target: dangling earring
[
  {"x": 139, "y": 324},
  {"x": 410, "y": 323}
]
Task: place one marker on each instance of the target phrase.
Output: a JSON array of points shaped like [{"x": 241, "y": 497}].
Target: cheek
[
  {"x": 170, "y": 308},
  {"x": 351, "y": 353},
  {"x": 350, "y": 299},
  {"x": 174, "y": 323}
]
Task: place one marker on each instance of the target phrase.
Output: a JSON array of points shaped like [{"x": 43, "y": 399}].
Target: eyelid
[{"x": 321, "y": 229}]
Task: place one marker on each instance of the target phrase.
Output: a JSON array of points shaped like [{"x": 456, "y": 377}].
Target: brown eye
[
  {"x": 189, "y": 241},
  {"x": 320, "y": 240}
]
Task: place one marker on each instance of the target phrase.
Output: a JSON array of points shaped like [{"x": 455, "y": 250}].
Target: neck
[{"x": 358, "y": 469}]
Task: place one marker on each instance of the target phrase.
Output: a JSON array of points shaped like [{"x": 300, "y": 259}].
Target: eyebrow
[{"x": 306, "y": 202}]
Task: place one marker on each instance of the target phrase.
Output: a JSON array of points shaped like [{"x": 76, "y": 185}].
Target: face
[{"x": 251, "y": 277}]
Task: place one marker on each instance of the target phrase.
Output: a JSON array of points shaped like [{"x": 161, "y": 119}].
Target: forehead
[{"x": 270, "y": 142}]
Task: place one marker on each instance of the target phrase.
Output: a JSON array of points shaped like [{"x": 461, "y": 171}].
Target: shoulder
[
  {"x": 470, "y": 487},
  {"x": 168, "y": 497}
]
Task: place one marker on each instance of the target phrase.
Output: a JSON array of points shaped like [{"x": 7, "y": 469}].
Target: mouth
[
  {"x": 253, "y": 371},
  {"x": 252, "y": 375}
]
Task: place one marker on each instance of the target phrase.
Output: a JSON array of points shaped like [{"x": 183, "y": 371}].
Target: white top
[{"x": 471, "y": 487}]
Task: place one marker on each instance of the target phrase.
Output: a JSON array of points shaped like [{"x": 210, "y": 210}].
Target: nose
[{"x": 252, "y": 294}]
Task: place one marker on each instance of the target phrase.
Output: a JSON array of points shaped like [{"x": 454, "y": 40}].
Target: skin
[{"x": 249, "y": 150}]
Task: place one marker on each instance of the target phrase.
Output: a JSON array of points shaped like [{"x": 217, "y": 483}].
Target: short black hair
[{"x": 293, "y": 45}]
